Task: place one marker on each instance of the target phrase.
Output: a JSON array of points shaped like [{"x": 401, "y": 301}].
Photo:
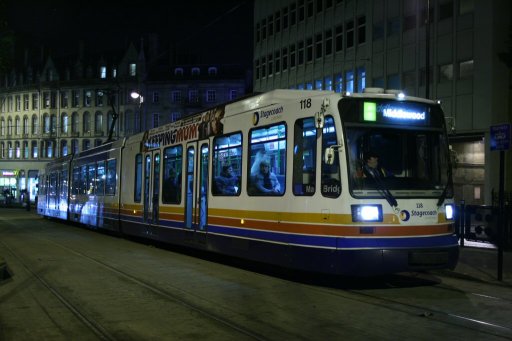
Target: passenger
[
  {"x": 265, "y": 181},
  {"x": 170, "y": 190},
  {"x": 371, "y": 168},
  {"x": 227, "y": 182}
]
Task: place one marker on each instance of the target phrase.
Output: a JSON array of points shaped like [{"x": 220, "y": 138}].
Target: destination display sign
[{"x": 396, "y": 112}]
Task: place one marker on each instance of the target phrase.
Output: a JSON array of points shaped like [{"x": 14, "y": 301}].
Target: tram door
[
  {"x": 196, "y": 205},
  {"x": 151, "y": 187}
]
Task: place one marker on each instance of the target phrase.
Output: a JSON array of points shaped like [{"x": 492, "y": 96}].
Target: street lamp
[{"x": 136, "y": 95}]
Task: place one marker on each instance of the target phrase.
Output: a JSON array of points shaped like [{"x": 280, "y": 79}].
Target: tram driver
[{"x": 371, "y": 167}]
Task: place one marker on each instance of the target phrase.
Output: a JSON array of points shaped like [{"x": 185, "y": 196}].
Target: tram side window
[
  {"x": 227, "y": 164},
  {"x": 76, "y": 181},
  {"x": 100, "y": 180},
  {"x": 83, "y": 180},
  {"x": 331, "y": 180},
  {"x": 137, "y": 191},
  {"x": 110, "y": 184},
  {"x": 171, "y": 186},
  {"x": 304, "y": 157},
  {"x": 267, "y": 160},
  {"x": 52, "y": 190},
  {"x": 91, "y": 177},
  {"x": 63, "y": 185}
]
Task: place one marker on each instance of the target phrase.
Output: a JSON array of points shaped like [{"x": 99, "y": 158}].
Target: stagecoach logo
[
  {"x": 264, "y": 114},
  {"x": 255, "y": 118},
  {"x": 405, "y": 215}
]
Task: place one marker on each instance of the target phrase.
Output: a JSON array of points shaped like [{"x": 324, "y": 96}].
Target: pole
[
  {"x": 501, "y": 225},
  {"x": 462, "y": 222},
  {"x": 427, "y": 51}
]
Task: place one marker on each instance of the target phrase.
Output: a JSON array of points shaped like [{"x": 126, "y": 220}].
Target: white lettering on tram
[{"x": 403, "y": 115}]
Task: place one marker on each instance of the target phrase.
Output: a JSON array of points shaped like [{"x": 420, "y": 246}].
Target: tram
[{"x": 285, "y": 177}]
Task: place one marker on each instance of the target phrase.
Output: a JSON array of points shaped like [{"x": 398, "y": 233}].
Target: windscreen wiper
[
  {"x": 385, "y": 192},
  {"x": 449, "y": 184}
]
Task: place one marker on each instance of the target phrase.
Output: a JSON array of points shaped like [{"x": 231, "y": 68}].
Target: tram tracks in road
[
  {"x": 436, "y": 314},
  {"x": 86, "y": 320},
  {"x": 362, "y": 294},
  {"x": 174, "y": 295}
]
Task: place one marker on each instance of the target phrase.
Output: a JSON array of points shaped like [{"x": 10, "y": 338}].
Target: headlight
[
  {"x": 366, "y": 213},
  {"x": 450, "y": 211}
]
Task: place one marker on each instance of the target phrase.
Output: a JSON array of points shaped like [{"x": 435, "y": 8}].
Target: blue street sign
[{"x": 500, "y": 137}]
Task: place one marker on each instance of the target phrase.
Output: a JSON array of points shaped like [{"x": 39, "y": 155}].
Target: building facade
[
  {"x": 51, "y": 108},
  {"x": 449, "y": 53}
]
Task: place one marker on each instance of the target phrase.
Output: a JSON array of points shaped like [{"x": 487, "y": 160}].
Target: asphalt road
[{"x": 69, "y": 283}]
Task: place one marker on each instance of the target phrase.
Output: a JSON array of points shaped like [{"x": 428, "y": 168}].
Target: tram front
[{"x": 401, "y": 190}]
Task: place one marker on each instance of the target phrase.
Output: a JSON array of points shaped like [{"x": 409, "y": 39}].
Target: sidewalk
[{"x": 479, "y": 261}]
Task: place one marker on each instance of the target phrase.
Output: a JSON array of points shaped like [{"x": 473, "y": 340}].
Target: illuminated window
[
  {"x": 466, "y": 69},
  {"x": 132, "y": 69},
  {"x": 361, "y": 78},
  {"x": 64, "y": 148},
  {"x": 195, "y": 71},
  {"x": 328, "y": 83},
  {"x": 349, "y": 79},
  {"x": 103, "y": 72},
  {"x": 17, "y": 125},
  {"x": 446, "y": 72},
  {"x": 64, "y": 123},
  {"x": 34, "y": 150},
  {"x": 212, "y": 71},
  {"x": 178, "y": 71},
  {"x": 25, "y": 125}
]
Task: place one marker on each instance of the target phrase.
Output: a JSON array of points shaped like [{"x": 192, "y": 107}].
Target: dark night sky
[{"x": 222, "y": 29}]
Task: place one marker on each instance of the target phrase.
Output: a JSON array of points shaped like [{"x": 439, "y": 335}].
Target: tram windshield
[{"x": 396, "y": 148}]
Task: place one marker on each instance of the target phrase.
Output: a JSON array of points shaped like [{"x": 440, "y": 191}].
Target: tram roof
[{"x": 266, "y": 99}]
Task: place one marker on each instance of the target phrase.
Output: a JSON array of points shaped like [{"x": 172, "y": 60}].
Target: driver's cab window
[{"x": 331, "y": 184}]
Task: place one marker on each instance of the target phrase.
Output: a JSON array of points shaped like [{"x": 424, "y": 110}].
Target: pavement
[{"x": 479, "y": 261}]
